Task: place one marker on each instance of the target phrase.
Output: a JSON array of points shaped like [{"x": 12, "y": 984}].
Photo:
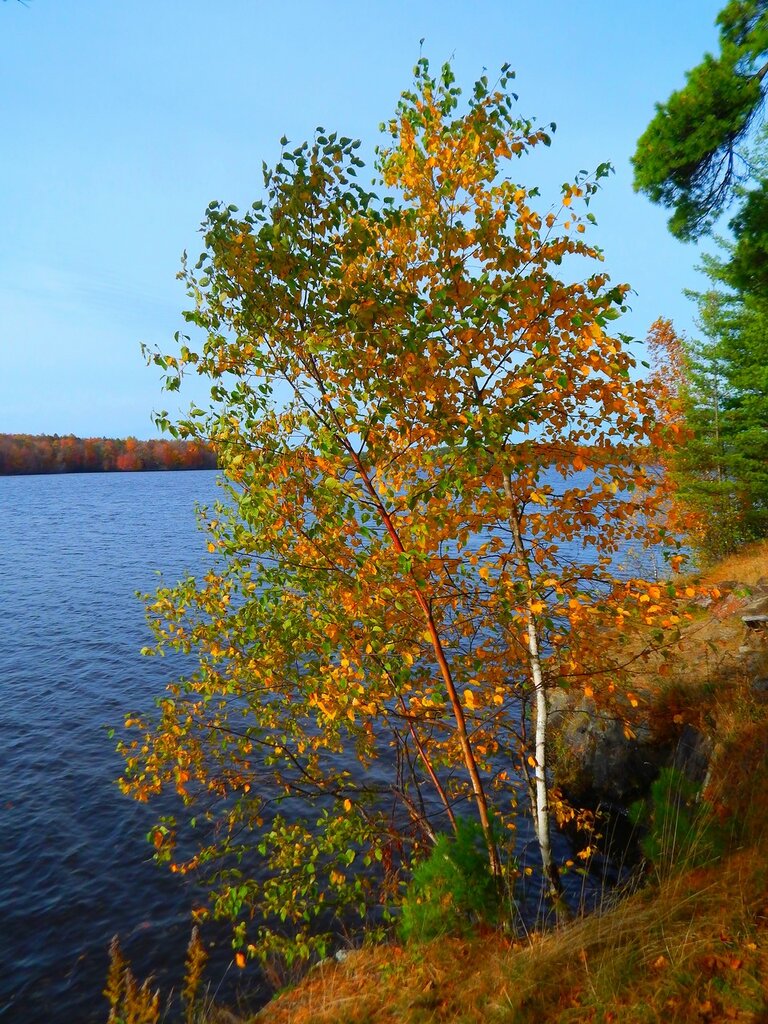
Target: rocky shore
[{"x": 599, "y": 759}]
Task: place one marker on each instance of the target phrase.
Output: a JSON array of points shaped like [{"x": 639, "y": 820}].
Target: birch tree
[{"x": 434, "y": 451}]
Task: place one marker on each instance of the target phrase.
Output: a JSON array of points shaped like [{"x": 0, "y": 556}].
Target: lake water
[
  {"x": 74, "y": 863},
  {"x": 75, "y": 867}
]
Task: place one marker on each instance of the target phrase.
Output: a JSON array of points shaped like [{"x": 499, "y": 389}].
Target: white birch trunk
[{"x": 540, "y": 794}]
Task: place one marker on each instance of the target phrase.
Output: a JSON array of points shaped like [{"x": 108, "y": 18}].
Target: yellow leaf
[
  {"x": 240, "y": 960},
  {"x": 347, "y": 805}
]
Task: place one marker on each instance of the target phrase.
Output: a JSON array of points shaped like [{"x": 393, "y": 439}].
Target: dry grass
[
  {"x": 748, "y": 566},
  {"x": 692, "y": 948},
  {"x": 696, "y": 949}
]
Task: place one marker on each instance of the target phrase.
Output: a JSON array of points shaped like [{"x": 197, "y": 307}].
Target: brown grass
[
  {"x": 748, "y": 566},
  {"x": 696, "y": 949}
]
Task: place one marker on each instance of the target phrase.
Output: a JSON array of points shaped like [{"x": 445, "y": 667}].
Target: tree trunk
[
  {"x": 468, "y": 754},
  {"x": 540, "y": 794}
]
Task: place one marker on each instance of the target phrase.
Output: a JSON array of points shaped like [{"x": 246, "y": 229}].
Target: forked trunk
[{"x": 468, "y": 754}]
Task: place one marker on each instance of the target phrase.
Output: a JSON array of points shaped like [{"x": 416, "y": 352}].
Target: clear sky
[{"x": 121, "y": 119}]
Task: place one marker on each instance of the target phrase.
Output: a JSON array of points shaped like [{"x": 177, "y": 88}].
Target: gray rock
[
  {"x": 727, "y": 586},
  {"x": 757, "y": 607},
  {"x": 693, "y": 754},
  {"x": 596, "y": 759}
]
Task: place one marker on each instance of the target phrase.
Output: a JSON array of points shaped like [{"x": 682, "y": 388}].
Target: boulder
[
  {"x": 692, "y": 754},
  {"x": 596, "y": 758},
  {"x": 598, "y": 761}
]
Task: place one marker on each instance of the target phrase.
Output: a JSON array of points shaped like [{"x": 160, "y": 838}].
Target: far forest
[{"x": 44, "y": 453}]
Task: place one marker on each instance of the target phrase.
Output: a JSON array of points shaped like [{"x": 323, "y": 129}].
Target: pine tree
[{"x": 723, "y": 469}]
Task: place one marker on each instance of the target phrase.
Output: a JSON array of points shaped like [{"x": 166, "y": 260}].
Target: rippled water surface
[{"x": 74, "y": 863}]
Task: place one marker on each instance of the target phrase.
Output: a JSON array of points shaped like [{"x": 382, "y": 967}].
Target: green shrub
[
  {"x": 679, "y": 828},
  {"x": 452, "y": 890}
]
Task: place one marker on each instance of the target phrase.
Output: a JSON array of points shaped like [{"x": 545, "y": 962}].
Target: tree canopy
[{"x": 691, "y": 157}]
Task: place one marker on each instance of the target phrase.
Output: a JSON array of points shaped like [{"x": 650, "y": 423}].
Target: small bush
[
  {"x": 452, "y": 890},
  {"x": 680, "y": 829}
]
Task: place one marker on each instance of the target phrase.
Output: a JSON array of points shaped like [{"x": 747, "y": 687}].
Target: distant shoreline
[
  {"x": 48, "y": 454},
  {"x": 109, "y": 472}
]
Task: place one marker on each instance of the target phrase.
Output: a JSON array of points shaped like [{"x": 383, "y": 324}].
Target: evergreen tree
[
  {"x": 690, "y": 158},
  {"x": 723, "y": 469},
  {"x": 694, "y": 158}
]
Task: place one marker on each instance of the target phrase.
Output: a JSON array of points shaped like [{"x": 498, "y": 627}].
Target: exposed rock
[
  {"x": 756, "y": 607},
  {"x": 597, "y": 760},
  {"x": 727, "y": 586},
  {"x": 729, "y": 605},
  {"x": 692, "y": 754}
]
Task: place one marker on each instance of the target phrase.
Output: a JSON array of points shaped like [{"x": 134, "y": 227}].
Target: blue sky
[{"x": 122, "y": 119}]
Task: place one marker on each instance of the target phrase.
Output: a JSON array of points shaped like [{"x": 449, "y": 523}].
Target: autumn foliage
[
  {"x": 437, "y": 458},
  {"x": 41, "y": 453}
]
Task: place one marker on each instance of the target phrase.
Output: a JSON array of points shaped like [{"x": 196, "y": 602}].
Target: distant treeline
[{"x": 43, "y": 453}]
